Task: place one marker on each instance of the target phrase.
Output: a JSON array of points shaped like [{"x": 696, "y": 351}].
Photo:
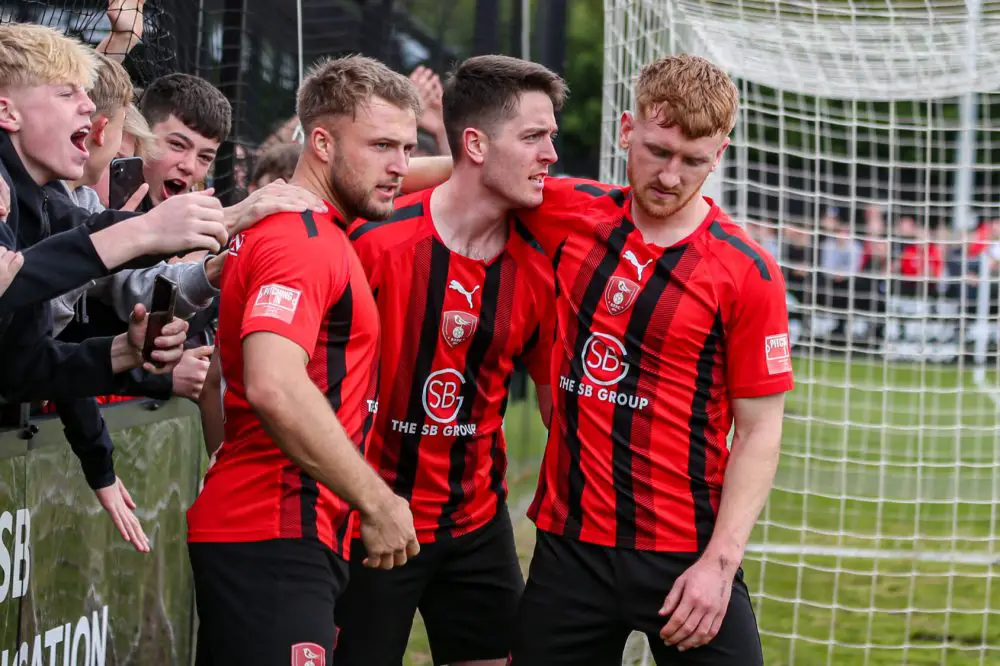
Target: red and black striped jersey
[
  {"x": 297, "y": 276},
  {"x": 653, "y": 344},
  {"x": 452, "y": 329}
]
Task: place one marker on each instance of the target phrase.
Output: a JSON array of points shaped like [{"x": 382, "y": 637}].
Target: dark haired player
[{"x": 463, "y": 292}]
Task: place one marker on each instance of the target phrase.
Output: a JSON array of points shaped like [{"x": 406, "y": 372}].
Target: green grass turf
[{"x": 897, "y": 458}]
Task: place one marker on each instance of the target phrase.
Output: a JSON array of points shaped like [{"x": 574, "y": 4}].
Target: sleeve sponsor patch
[
  {"x": 778, "y": 354},
  {"x": 276, "y": 301}
]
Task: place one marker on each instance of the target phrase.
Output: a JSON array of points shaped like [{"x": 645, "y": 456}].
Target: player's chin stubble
[{"x": 352, "y": 195}]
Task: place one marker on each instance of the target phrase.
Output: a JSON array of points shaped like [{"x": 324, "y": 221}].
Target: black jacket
[{"x": 34, "y": 366}]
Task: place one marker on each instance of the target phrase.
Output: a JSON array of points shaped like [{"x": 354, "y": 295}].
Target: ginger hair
[{"x": 690, "y": 92}]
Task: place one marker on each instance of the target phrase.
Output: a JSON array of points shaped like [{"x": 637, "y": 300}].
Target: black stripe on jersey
[
  {"x": 704, "y": 516},
  {"x": 498, "y": 472},
  {"x": 404, "y": 213},
  {"x": 338, "y": 334},
  {"x": 409, "y": 444},
  {"x": 716, "y": 230},
  {"x": 527, "y": 236},
  {"x": 482, "y": 339},
  {"x": 617, "y": 195},
  {"x": 621, "y": 422},
  {"x": 531, "y": 342},
  {"x": 556, "y": 258},
  {"x": 585, "y": 319},
  {"x": 310, "y": 222}
]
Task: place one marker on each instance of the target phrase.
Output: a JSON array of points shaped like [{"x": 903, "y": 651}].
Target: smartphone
[
  {"x": 161, "y": 312},
  {"x": 126, "y": 177}
]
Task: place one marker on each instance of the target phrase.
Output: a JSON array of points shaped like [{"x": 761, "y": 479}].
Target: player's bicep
[
  {"x": 269, "y": 360},
  {"x": 290, "y": 286},
  {"x": 759, "y": 417},
  {"x": 758, "y": 350}
]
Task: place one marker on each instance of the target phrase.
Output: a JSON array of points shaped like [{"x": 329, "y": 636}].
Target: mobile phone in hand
[
  {"x": 161, "y": 312},
  {"x": 125, "y": 178}
]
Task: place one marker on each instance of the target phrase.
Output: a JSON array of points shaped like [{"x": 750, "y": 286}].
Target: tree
[{"x": 580, "y": 121}]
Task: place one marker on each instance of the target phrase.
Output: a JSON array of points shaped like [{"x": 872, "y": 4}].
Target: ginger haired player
[{"x": 672, "y": 334}]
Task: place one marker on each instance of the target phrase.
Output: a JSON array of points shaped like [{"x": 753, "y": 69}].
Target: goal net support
[{"x": 866, "y": 159}]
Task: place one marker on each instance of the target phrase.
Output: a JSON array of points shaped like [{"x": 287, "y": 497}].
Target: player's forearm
[
  {"x": 749, "y": 477},
  {"x": 427, "y": 172},
  {"x": 211, "y": 408},
  {"x": 317, "y": 443}
]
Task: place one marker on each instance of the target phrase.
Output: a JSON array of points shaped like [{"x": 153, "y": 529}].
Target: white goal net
[{"x": 866, "y": 158}]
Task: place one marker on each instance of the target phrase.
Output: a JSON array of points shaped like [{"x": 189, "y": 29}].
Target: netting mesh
[
  {"x": 153, "y": 56},
  {"x": 865, "y": 159}
]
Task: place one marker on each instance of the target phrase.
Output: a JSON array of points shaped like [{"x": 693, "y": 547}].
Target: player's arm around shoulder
[{"x": 568, "y": 205}]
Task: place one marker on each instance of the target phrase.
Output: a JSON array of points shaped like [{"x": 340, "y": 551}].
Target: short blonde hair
[
  {"x": 339, "y": 86},
  {"x": 137, "y": 127},
  {"x": 34, "y": 55},
  {"x": 689, "y": 92},
  {"x": 112, "y": 89}
]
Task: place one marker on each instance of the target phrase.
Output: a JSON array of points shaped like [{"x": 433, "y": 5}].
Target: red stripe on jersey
[{"x": 453, "y": 328}]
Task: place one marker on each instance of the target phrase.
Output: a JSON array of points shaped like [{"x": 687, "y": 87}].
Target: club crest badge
[
  {"x": 457, "y": 327},
  {"x": 620, "y": 294},
  {"x": 308, "y": 654}
]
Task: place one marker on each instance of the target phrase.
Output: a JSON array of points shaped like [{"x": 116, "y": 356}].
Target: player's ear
[
  {"x": 718, "y": 153},
  {"x": 322, "y": 144},
  {"x": 625, "y": 131},
  {"x": 476, "y": 144},
  {"x": 10, "y": 117}
]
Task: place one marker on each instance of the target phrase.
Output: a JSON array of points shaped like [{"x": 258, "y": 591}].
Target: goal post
[{"x": 866, "y": 159}]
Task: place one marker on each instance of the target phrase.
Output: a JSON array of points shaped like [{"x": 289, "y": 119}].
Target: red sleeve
[
  {"x": 538, "y": 360},
  {"x": 291, "y": 283},
  {"x": 558, "y": 214},
  {"x": 758, "y": 351}
]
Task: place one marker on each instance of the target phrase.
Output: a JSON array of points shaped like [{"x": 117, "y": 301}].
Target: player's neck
[
  {"x": 667, "y": 231},
  {"x": 470, "y": 219},
  {"x": 316, "y": 179}
]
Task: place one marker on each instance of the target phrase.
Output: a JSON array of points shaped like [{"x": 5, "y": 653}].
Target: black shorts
[
  {"x": 466, "y": 589},
  {"x": 266, "y": 602},
  {"x": 582, "y": 601}
]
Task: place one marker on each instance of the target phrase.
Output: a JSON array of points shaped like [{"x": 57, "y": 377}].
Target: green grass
[
  {"x": 881, "y": 457},
  {"x": 898, "y": 458}
]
